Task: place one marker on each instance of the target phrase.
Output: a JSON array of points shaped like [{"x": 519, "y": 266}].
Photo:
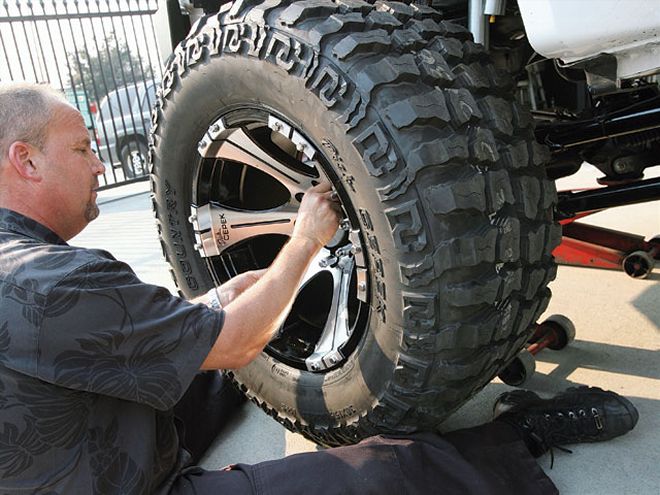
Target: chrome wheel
[{"x": 253, "y": 169}]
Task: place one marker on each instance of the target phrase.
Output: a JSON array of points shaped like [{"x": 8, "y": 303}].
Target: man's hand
[
  {"x": 318, "y": 220},
  {"x": 318, "y": 216}
]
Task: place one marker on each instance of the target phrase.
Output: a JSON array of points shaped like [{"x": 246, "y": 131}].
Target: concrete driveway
[{"x": 616, "y": 348}]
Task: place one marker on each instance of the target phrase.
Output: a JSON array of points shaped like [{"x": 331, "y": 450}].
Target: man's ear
[{"x": 24, "y": 158}]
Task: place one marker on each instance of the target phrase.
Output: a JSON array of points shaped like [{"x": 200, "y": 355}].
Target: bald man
[{"x": 95, "y": 365}]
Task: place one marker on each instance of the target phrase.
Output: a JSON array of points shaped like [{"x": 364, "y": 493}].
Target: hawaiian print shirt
[{"x": 92, "y": 361}]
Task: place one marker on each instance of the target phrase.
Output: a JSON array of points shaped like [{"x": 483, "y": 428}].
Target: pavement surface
[{"x": 617, "y": 348}]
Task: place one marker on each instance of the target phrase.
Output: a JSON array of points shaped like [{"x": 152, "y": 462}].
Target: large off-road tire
[{"x": 450, "y": 213}]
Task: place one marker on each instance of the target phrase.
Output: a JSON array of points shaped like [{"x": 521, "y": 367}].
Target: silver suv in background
[{"x": 122, "y": 125}]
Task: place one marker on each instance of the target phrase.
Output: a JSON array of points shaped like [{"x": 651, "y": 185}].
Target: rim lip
[{"x": 361, "y": 322}]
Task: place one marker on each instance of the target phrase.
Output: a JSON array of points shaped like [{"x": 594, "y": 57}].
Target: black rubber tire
[
  {"x": 638, "y": 264},
  {"x": 125, "y": 157},
  {"x": 520, "y": 370},
  {"x": 565, "y": 329},
  {"x": 441, "y": 163}
]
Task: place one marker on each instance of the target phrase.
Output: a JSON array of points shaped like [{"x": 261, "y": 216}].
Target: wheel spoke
[
  {"x": 218, "y": 228},
  {"x": 236, "y": 145},
  {"x": 315, "y": 267},
  {"x": 336, "y": 330}
]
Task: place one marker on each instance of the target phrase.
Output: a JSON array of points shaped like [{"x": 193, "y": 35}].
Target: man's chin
[{"x": 91, "y": 212}]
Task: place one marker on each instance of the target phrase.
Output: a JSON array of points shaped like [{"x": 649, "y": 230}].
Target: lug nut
[
  {"x": 327, "y": 261},
  {"x": 623, "y": 166},
  {"x": 345, "y": 224}
]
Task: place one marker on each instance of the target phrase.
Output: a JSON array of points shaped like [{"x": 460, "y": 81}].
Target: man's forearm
[{"x": 254, "y": 316}]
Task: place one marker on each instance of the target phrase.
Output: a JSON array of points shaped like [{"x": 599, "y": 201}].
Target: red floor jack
[{"x": 587, "y": 245}]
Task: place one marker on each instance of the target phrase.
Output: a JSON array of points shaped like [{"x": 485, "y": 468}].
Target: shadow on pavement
[
  {"x": 598, "y": 356},
  {"x": 647, "y": 302}
]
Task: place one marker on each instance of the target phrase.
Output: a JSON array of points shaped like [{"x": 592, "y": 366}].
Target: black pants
[{"x": 488, "y": 459}]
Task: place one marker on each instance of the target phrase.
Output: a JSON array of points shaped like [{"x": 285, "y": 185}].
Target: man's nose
[{"x": 99, "y": 166}]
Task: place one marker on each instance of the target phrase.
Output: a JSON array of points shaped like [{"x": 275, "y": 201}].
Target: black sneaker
[{"x": 577, "y": 415}]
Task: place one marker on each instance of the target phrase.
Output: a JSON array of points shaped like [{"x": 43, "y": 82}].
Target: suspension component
[
  {"x": 625, "y": 123},
  {"x": 571, "y": 203}
]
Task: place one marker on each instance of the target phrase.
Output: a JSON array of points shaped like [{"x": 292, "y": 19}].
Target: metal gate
[{"x": 104, "y": 56}]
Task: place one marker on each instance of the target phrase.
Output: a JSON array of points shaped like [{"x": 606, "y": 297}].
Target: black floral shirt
[{"x": 92, "y": 361}]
